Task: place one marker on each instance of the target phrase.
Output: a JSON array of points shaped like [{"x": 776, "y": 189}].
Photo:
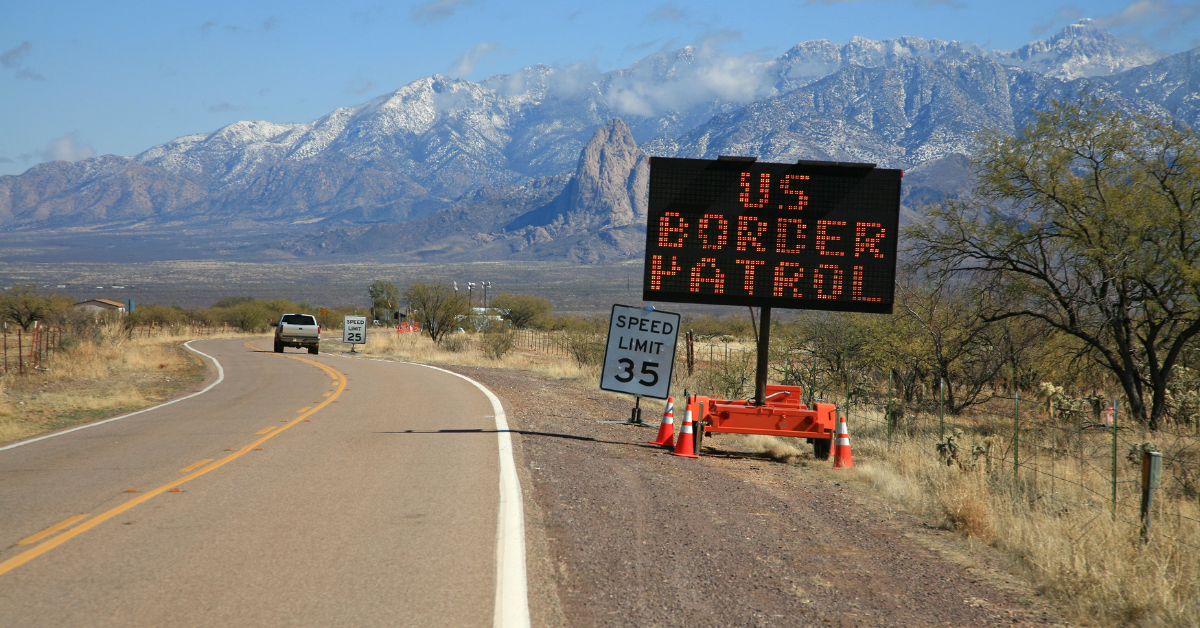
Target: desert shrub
[
  {"x": 496, "y": 342},
  {"x": 732, "y": 377},
  {"x": 157, "y": 315},
  {"x": 585, "y": 347},
  {"x": 455, "y": 343},
  {"x": 569, "y": 323}
]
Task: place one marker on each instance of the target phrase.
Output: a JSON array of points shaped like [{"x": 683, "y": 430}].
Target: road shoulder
[{"x": 620, "y": 533}]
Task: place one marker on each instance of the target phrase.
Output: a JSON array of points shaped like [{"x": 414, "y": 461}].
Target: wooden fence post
[
  {"x": 1016, "y": 437},
  {"x": 1151, "y": 479},
  {"x": 1113, "y": 420}
]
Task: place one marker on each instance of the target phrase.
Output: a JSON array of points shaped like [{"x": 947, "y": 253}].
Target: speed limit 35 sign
[{"x": 640, "y": 354}]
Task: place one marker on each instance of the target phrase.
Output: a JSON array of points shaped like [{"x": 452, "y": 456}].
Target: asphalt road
[{"x": 299, "y": 491}]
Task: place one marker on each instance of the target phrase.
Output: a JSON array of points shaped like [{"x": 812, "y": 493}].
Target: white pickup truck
[{"x": 297, "y": 330}]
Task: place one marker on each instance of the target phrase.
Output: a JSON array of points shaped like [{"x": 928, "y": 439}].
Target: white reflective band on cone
[
  {"x": 687, "y": 428},
  {"x": 842, "y": 428},
  {"x": 843, "y": 441},
  {"x": 668, "y": 419}
]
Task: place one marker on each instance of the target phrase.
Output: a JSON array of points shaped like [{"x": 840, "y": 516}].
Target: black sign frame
[{"x": 809, "y": 235}]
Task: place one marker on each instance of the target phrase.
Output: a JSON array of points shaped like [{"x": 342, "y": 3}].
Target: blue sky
[{"x": 88, "y": 78}]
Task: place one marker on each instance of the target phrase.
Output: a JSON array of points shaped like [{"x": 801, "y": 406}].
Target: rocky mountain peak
[
  {"x": 1080, "y": 50},
  {"x": 613, "y": 177}
]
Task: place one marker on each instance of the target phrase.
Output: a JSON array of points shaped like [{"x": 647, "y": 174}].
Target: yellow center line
[
  {"x": 303, "y": 409},
  {"x": 326, "y": 394},
  {"x": 29, "y": 540},
  {"x": 265, "y": 430},
  {"x": 193, "y": 466},
  {"x": 34, "y": 552}
]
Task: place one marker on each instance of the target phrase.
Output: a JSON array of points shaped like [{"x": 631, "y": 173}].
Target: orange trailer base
[{"x": 782, "y": 415}]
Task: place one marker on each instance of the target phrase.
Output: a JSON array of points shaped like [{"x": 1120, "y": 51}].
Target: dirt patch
[{"x": 623, "y": 534}]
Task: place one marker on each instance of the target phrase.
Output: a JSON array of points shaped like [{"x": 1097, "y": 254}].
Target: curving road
[{"x": 298, "y": 491}]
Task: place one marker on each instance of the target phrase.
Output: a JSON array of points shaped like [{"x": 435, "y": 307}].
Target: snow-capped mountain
[
  {"x": 1078, "y": 51},
  {"x": 441, "y": 150}
]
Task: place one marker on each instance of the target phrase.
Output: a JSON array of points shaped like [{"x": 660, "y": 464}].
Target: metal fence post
[{"x": 1151, "y": 479}]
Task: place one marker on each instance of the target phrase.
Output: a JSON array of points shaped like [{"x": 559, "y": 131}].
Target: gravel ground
[{"x": 622, "y": 534}]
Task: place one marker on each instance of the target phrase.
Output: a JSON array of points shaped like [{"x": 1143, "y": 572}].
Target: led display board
[{"x": 810, "y": 235}]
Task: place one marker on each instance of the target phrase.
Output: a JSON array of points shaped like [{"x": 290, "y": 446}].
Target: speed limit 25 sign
[
  {"x": 640, "y": 354},
  {"x": 354, "y": 330}
]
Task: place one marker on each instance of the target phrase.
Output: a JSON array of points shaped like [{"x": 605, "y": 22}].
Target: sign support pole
[
  {"x": 764, "y": 340},
  {"x": 635, "y": 416}
]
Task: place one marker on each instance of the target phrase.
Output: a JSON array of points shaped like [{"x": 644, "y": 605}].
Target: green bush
[
  {"x": 586, "y": 347},
  {"x": 497, "y": 341}
]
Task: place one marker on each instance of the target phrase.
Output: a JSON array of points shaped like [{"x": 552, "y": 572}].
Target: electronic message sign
[{"x": 810, "y": 235}]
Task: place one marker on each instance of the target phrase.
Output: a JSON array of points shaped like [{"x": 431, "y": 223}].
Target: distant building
[{"x": 100, "y": 306}]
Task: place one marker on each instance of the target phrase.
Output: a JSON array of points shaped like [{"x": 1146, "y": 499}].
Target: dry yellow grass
[
  {"x": 412, "y": 347},
  {"x": 98, "y": 377},
  {"x": 1059, "y": 530}
]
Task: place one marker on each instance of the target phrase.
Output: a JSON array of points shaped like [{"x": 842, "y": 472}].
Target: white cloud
[
  {"x": 266, "y": 26},
  {"x": 920, "y": 3},
  {"x": 1164, "y": 16},
  {"x": 67, "y": 148},
  {"x": 1064, "y": 14},
  {"x": 667, "y": 13},
  {"x": 224, "y": 107},
  {"x": 570, "y": 81},
  {"x": 700, "y": 74},
  {"x": 438, "y": 10},
  {"x": 360, "y": 86},
  {"x": 465, "y": 63},
  {"x": 14, "y": 59}
]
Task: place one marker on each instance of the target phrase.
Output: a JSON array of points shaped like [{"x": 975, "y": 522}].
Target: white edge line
[
  {"x": 220, "y": 378},
  {"x": 512, "y": 594}
]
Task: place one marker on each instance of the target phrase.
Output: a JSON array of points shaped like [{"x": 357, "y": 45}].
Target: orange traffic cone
[
  {"x": 841, "y": 447},
  {"x": 666, "y": 429},
  {"x": 685, "y": 444}
]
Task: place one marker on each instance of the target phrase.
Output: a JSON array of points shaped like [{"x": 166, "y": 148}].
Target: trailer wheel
[
  {"x": 698, "y": 439},
  {"x": 821, "y": 447}
]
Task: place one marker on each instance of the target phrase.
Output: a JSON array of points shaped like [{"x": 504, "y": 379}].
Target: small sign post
[
  {"x": 354, "y": 331},
  {"x": 639, "y": 357}
]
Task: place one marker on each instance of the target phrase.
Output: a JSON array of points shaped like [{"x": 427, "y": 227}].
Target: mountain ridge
[{"x": 505, "y": 156}]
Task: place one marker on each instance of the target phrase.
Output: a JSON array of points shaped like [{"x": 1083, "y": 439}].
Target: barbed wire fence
[
  {"x": 26, "y": 351},
  {"x": 1047, "y": 457}
]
